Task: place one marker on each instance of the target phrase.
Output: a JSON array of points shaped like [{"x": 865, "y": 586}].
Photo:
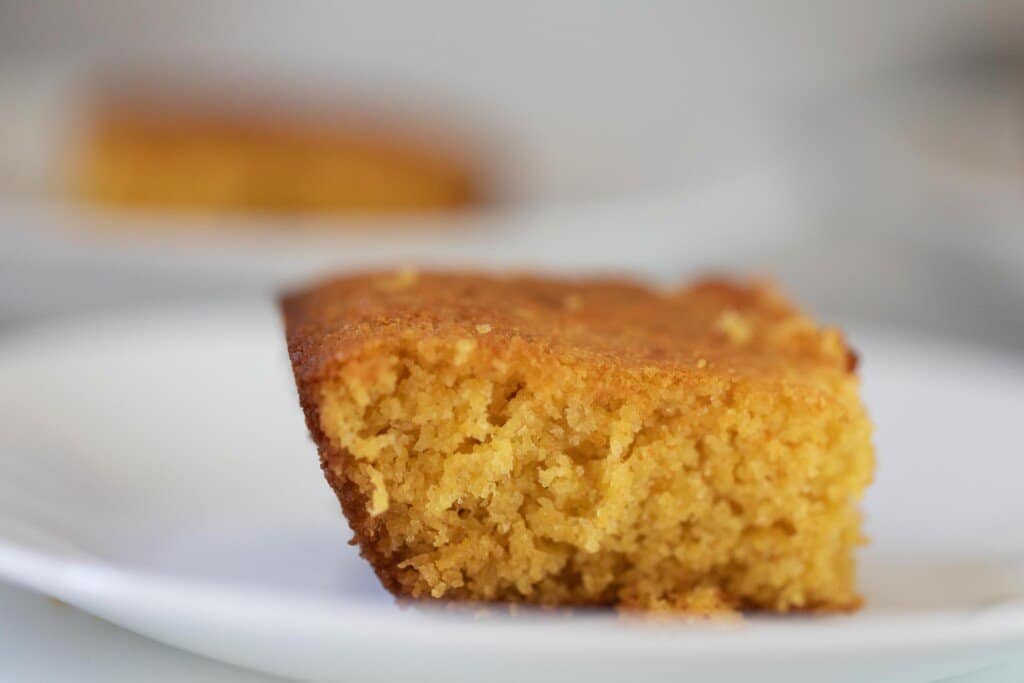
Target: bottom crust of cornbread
[{"x": 586, "y": 443}]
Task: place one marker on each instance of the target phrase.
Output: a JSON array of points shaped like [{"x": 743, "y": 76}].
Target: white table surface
[{"x": 45, "y": 640}]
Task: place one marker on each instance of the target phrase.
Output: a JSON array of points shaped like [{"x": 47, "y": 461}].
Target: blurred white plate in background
[
  {"x": 55, "y": 259},
  {"x": 155, "y": 470}
]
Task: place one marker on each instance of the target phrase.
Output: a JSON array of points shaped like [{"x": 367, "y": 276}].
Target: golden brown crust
[
  {"x": 353, "y": 502},
  {"x": 714, "y": 329},
  {"x": 608, "y": 322}
]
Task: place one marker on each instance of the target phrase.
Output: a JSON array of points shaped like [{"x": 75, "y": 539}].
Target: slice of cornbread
[
  {"x": 195, "y": 151},
  {"x": 594, "y": 442}
]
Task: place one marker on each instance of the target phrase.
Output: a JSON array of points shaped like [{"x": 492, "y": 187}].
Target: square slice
[{"x": 595, "y": 442}]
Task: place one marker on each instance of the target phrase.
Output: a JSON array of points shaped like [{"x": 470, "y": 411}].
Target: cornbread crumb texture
[
  {"x": 191, "y": 151},
  {"x": 596, "y": 442}
]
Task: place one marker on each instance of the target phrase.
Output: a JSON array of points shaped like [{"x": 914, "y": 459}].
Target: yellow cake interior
[{"x": 514, "y": 473}]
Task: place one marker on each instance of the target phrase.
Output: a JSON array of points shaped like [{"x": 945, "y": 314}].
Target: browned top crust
[{"x": 714, "y": 327}]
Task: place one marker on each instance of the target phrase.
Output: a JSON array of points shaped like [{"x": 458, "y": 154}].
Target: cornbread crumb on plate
[{"x": 593, "y": 442}]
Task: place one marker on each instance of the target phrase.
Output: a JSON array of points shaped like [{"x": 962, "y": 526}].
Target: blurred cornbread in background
[{"x": 200, "y": 148}]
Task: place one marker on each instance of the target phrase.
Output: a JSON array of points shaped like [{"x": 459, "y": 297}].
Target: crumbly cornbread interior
[{"x": 507, "y": 469}]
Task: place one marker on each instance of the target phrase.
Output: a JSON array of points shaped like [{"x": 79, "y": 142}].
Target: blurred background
[{"x": 870, "y": 155}]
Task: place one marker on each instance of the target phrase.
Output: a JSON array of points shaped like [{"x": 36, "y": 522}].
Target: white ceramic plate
[
  {"x": 57, "y": 260},
  {"x": 155, "y": 470},
  {"x": 47, "y": 640}
]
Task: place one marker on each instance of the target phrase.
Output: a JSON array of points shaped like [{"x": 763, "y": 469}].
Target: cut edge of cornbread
[{"x": 489, "y": 456}]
